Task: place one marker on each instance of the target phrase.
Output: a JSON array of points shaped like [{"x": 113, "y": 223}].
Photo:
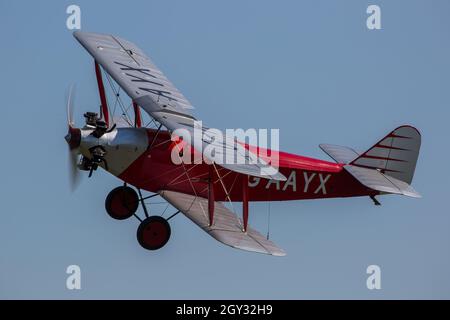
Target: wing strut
[
  {"x": 245, "y": 201},
  {"x": 137, "y": 115},
  {"x": 211, "y": 195},
  {"x": 101, "y": 90}
]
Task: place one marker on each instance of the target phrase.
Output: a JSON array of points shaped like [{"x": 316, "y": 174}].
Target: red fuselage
[{"x": 307, "y": 178}]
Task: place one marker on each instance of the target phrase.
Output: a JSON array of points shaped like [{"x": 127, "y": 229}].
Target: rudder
[{"x": 395, "y": 155}]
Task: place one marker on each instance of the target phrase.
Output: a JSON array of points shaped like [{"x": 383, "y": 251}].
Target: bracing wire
[{"x": 118, "y": 99}]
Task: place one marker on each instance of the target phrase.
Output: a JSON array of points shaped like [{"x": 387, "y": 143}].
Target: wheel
[
  {"x": 153, "y": 233},
  {"x": 121, "y": 203}
]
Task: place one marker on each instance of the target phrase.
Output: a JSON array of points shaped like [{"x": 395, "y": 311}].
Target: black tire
[
  {"x": 121, "y": 203},
  {"x": 153, "y": 233}
]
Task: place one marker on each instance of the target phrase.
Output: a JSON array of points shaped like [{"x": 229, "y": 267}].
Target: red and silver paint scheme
[{"x": 142, "y": 158}]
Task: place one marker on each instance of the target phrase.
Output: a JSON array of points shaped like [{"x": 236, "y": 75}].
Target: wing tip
[
  {"x": 281, "y": 253},
  {"x": 77, "y": 34}
]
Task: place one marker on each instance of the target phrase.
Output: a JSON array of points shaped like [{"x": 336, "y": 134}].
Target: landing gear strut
[{"x": 154, "y": 231}]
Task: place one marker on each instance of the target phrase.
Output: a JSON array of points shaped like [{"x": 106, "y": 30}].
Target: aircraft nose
[{"x": 73, "y": 138}]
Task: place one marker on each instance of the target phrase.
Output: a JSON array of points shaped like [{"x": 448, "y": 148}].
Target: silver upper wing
[
  {"x": 139, "y": 77},
  {"x": 133, "y": 70}
]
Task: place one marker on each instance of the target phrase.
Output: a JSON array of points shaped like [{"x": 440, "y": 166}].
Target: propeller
[
  {"x": 73, "y": 138},
  {"x": 74, "y": 173},
  {"x": 69, "y": 106}
]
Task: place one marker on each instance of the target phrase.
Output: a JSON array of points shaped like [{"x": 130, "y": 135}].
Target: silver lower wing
[{"x": 227, "y": 227}]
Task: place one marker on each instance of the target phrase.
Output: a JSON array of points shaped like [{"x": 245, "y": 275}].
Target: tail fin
[
  {"x": 388, "y": 166},
  {"x": 395, "y": 155}
]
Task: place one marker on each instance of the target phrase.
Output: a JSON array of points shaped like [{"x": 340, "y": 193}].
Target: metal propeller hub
[{"x": 73, "y": 138}]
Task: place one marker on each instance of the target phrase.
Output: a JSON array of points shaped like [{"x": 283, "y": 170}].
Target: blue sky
[{"x": 310, "y": 68}]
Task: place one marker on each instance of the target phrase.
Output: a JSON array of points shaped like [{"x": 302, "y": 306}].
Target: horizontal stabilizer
[
  {"x": 378, "y": 181},
  {"x": 339, "y": 154},
  {"x": 227, "y": 227}
]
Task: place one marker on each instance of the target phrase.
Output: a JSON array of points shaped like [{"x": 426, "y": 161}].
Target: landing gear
[
  {"x": 122, "y": 203},
  {"x": 153, "y": 233}
]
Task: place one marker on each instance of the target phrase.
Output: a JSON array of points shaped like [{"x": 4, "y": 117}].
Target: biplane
[{"x": 141, "y": 157}]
